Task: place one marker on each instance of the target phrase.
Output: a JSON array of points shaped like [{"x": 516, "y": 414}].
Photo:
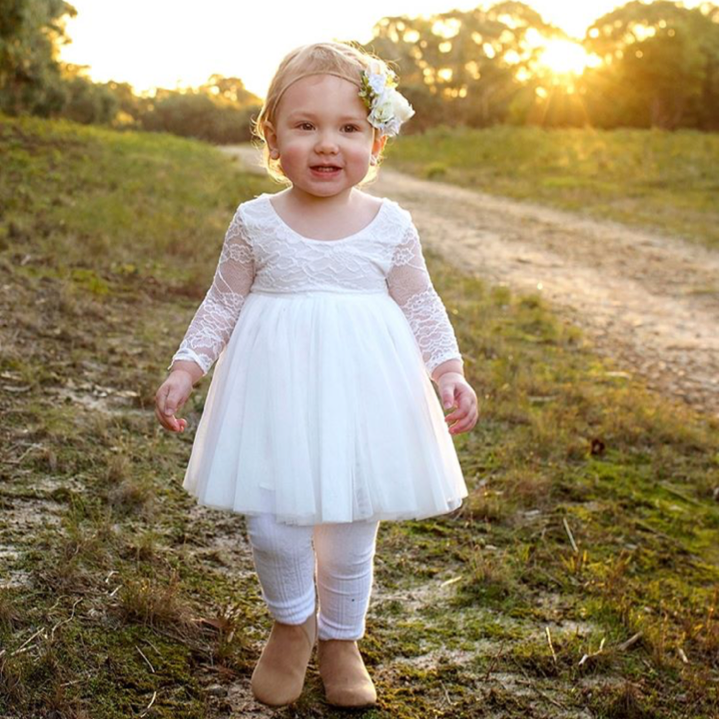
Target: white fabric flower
[
  {"x": 388, "y": 108},
  {"x": 377, "y": 83},
  {"x": 401, "y": 109},
  {"x": 383, "y": 107}
]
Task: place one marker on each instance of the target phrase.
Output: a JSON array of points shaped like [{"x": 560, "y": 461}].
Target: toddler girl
[{"x": 321, "y": 418}]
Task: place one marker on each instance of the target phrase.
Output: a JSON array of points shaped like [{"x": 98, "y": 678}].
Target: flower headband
[{"x": 388, "y": 108}]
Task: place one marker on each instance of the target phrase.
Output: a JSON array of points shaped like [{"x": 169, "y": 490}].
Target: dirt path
[{"x": 647, "y": 300}]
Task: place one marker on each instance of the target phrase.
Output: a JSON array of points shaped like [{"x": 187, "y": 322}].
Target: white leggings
[{"x": 286, "y": 565}]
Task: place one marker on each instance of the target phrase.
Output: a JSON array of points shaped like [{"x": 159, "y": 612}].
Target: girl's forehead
[
  {"x": 325, "y": 95},
  {"x": 322, "y": 82}
]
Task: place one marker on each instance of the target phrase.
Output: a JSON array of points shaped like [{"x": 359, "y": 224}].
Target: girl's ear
[
  {"x": 270, "y": 134},
  {"x": 378, "y": 144}
]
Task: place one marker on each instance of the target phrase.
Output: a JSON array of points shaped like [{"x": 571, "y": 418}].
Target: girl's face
[{"x": 321, "y": 120}]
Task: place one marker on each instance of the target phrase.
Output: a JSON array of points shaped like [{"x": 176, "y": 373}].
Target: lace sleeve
[
  {"x": 411, "y": 288},
  {"x": 216, "y": 317}
]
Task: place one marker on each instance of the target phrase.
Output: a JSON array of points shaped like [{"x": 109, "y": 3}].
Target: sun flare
[{"x": 565, "y": 57}]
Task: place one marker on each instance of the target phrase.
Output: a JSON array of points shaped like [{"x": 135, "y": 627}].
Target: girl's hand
[
  {"x": 455, "y": 391},
  {"x": 170, "y": 397}
]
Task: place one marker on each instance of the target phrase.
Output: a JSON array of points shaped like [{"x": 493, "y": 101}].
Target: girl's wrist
[
  {"x": 190, "y": 368},
  {"x": 451, "y": 366}
]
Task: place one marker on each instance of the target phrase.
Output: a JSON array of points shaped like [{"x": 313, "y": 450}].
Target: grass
[
  {"x": 654, "y": 179},
  {"x": 580, "y": 577}
]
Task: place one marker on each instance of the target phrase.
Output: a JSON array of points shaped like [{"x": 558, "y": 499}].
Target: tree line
[{"x": 655, "y": 65}]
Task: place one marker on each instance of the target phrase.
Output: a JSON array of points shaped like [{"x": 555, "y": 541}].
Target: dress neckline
[{"x": 370, "y": 225}]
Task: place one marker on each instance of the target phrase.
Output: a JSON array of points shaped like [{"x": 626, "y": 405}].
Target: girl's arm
[
  {"x": 411, "y": 287},
  {"x": 216, "y": 317}
]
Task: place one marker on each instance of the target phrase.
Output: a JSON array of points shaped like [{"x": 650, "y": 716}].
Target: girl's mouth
[{"x": 325, "y": 170}]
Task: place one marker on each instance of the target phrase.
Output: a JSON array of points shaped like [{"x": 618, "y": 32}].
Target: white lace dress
[{"x": 321, "y": 406}]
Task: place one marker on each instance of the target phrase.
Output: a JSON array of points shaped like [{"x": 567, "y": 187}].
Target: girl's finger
[
  {"x": 463, "y": 409},
  {"x": 449, "y": 402},
  {"x": 160, "y": 417},
  {"x": 465, "y": 417},
  {"x": 459, "y": 427},
  {"x": 165, "y": 421},
  {"x": 162, "y": 397},
  {"x": 465, "y": 425}
]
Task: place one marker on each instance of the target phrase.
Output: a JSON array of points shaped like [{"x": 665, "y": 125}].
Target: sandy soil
[{"x": 648, "y": 300}]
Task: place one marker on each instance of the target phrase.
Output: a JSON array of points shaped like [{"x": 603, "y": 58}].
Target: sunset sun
[{"x": 565, "y": 56}]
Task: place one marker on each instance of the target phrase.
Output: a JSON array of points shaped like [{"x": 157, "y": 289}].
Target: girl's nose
[{"x": 327, "y": 142}]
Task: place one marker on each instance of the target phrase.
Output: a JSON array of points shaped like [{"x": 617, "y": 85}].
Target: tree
[
  {"x": 31, "y": 30},
  {"x": 203, "y": 114},
  {"x": 660, "y": 60},
  {"x": 230, "y": 89},
  {"x": 463, "y": 66},
  {"x": 86, "y": 101}
]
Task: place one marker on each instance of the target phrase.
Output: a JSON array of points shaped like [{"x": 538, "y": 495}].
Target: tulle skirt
[{"x": 321, "y": 410}]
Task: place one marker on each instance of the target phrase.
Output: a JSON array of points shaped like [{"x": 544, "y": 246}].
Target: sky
[{"x": 178, "y": 43}]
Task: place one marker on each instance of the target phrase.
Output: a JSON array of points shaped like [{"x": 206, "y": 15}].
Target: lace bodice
[{"x": 261, "y": 253}]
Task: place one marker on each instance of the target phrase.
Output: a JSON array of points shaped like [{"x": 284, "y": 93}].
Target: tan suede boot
[
  {"x": 344, "y": 675},
  {"x": 279, "y": 676}
]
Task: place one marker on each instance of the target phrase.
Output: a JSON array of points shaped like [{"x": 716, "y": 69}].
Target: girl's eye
[{"x": 303, "y": 125}]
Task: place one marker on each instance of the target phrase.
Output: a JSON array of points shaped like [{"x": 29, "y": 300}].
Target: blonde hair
[{"x": 344, "y": 60}]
